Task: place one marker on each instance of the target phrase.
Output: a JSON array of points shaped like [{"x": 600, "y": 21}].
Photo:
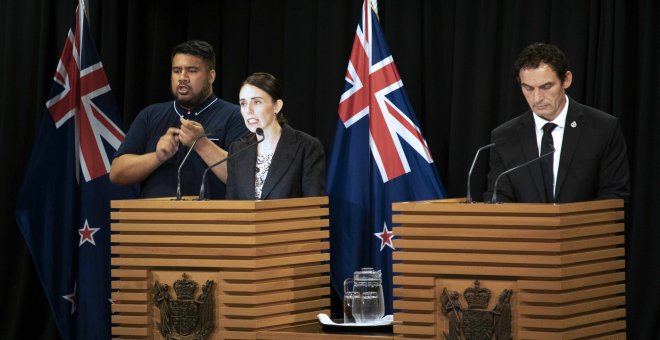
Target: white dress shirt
[{"x": 557, "y": 137}]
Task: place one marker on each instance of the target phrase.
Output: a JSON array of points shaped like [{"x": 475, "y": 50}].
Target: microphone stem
[
  {"x": 202, "y": 191},
  {"x": 494, "y": 198},
  {"x": 474, "y": 161},
  {"x": 178, "y": 173}
]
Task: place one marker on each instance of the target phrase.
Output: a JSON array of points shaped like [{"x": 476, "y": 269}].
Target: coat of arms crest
[
  {"x": 184, "y": 318},
  {"x": 476, "y": 322}
]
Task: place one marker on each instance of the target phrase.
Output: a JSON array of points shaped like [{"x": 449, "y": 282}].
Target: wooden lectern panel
[
  {"x": 564, "y": 264},
  {"x": 268, "y": 259}
]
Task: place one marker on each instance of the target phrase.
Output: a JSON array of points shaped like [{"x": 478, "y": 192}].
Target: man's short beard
[{"x": 194, "y": 101}]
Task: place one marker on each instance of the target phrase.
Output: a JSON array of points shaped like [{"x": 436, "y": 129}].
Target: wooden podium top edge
[
  {"x": 191, "y": 203},
  {"x": 459, "y": 205}
]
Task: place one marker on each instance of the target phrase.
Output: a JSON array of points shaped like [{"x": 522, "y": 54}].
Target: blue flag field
[
  {"x": 63, "y": 207},
  {"x": 379, "y": 156}
]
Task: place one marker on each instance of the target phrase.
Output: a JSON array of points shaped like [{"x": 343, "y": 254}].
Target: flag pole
[
  {"x": 374, "y": 5},
  {"x": 83, "y": 5}
]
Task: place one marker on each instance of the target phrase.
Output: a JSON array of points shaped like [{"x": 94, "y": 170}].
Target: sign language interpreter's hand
[
  {"x": 168, "y": 144},
  {"x": 190, "y": 131}
]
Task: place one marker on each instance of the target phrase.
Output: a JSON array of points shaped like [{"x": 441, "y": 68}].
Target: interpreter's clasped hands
[
  {"x": 168, "y": 145},
  {"x": 190, "y": 131}
]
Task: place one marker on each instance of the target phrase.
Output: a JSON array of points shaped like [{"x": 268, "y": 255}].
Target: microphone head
[{"x": 260, "y": 131}]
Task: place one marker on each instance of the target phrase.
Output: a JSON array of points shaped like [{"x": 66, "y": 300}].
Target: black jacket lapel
[
  {"x": 572, "y": 132},
  {"x": 246, "y": 175},
  {"x": 527, "y": 135},
  {"x": 285, "y": 153}
]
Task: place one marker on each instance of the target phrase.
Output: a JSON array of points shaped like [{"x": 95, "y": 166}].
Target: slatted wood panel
[
  {"x": 564, "y": 262},
  {"x": 269, "y": 261}
]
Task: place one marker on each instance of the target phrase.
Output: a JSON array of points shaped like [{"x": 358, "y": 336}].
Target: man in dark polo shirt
[{"x": 162, "y": 133}]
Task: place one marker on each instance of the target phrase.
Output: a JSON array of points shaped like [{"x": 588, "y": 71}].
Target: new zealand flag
[
  {"x": 379, "y": 157},
  {"x": 64, "y": 202}
]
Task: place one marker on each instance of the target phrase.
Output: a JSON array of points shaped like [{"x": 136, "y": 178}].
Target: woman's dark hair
[
  {"x": 198, "y": 48},
  {"x": 535, "y": 54},
  {"x": 269, "y": 84}
]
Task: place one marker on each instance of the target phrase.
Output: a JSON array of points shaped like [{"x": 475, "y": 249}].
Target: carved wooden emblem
[
  {"x": 184, "y": 317},
  {"x": 476, "y": 322}
]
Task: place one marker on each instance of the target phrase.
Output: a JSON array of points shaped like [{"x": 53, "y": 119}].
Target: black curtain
[{"x": 454, "y": 57}]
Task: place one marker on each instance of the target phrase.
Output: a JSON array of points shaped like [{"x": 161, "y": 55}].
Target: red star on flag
[
  {"x": 87, "y": 234},
  {"x": 385, "y": 238},
  {"x": 72, "y": 297}
]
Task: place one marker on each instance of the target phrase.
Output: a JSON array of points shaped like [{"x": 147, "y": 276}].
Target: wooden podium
[
  {"x": 564, "y": 264},
  {"x": 268, "y": 259}
]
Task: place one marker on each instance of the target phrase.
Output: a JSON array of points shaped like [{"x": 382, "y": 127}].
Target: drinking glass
[
  {"x": 350, "y": 300},
  {"x": 369, "y": 308}
]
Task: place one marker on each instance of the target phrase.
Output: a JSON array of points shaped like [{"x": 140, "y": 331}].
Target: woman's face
[{"x": 258, "y": 108}]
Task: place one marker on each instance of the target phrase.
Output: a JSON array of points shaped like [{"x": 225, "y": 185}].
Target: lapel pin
[{"x": 573, "y": 124}]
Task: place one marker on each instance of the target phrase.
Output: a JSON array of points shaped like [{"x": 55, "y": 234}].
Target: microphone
[
  {"x": 474, "y": 161},
  {"x": 202, "y": 194},
  {"x": 178, "y": 172},
  {"x": 494, "y": 198}
]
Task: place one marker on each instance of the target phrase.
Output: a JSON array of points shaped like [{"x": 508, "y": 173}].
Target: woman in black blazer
[{"x": 287, "y": 163}]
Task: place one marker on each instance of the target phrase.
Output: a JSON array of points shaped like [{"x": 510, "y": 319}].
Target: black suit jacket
[
  {"x": 297, "y": 168},
  {"x": 593, "y": 163}
]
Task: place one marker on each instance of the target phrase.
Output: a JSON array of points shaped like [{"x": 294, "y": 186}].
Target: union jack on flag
[
  {"x": 379, "y": 157},
  {"x": 80, "y": 82},
  {"x": 66, "y": 221}
]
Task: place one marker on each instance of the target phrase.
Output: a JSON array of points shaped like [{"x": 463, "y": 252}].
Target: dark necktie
[{"x": 547, "y": 144}]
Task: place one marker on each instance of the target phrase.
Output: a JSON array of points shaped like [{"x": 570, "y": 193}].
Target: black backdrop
[{"x": 454, "y": 57}]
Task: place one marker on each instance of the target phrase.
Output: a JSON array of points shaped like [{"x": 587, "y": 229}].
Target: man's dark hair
[
  {"x": 198, "y": 48},
  {"x": 535, "y": 54}
]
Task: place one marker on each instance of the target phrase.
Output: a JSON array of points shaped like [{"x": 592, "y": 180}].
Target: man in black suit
[{"x": 589, "y": 161}]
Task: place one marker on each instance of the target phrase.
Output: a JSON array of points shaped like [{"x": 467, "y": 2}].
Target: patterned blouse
[{"x": 261, "y": 171}]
